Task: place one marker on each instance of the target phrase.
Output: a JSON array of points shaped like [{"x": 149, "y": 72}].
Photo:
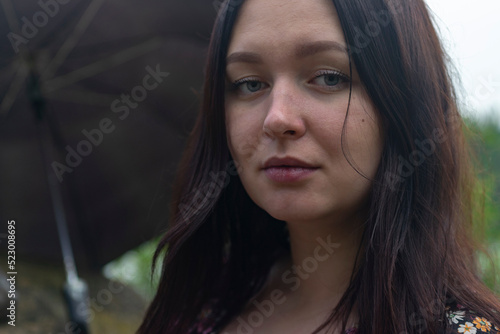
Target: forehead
[{"x": 282, "y": 24}]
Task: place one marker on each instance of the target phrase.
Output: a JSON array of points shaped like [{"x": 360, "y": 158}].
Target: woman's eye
[
  {"x": 331, "y": 80},
  {"x": 248, "y": 86},
  {"x": 253, "y": 86}
]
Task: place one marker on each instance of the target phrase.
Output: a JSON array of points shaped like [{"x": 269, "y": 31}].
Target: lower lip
[{"x": 288, "y": 174}]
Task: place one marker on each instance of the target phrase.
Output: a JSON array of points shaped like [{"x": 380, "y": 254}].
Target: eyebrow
[{"x": 301, "y": 51}]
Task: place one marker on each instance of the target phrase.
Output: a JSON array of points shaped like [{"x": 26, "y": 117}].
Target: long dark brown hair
[{"x": 418, "y": 250}]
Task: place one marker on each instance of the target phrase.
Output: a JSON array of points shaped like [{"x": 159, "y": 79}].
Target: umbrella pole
[{"x": 75, "y": 289}]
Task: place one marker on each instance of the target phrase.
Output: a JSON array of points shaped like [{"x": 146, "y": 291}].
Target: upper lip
[{"x": 287, "y": 162}]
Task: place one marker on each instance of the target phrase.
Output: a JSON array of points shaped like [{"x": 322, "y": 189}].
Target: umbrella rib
[
  {"x": 71, "y": 42},
  {"x": 10, "y": 15},
  {"x": 14, "y": 89},
  {"x": 102, "y": 65}
]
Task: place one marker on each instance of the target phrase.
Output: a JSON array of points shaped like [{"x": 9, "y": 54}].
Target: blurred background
[{"x": 96, "y": 100}]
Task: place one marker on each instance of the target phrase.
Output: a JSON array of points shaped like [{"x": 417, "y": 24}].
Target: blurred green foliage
[
  {"x": 134, "y": 267},
  {"x": 486, "y": 145}
]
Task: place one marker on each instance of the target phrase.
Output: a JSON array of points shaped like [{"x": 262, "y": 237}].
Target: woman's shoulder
[{"x": 465, "y": 321}]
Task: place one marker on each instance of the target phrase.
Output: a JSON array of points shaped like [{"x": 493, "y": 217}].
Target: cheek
[
  {"x": 243, "y": 137},
  {"x": 364, "y": 139},
  {"x": 326, "y": 130}
]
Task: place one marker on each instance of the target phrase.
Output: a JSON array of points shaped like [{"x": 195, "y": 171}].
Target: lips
[
  {"x": 288, "y": 169},
  {"x": 287, "y": 162}
]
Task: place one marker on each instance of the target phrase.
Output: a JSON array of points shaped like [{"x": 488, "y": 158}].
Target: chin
[
  {"x": 295, "y": 214},
  {"x": 309, "y": 214}
]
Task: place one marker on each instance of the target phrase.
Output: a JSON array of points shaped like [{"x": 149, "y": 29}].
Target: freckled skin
[{"x": 295, "y": 114}]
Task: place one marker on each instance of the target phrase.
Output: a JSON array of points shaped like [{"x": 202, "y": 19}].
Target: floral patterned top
[
  {"x": 467, "y": 322},
  {"x": 462, "y": 321},
  {"x": 459, "y": 318}
]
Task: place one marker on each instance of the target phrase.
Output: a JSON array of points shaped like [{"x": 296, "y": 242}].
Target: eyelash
[
  {"x": 344, "y": 79},
  {"x": 235, "y": 85}
]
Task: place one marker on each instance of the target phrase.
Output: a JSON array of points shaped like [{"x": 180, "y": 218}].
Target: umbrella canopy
[{"x": 120, "y": 82}]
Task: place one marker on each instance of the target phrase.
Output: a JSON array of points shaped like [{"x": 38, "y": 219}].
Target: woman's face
[{"x": 286, "y": 101}]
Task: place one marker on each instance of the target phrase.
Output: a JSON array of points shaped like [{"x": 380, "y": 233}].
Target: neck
[{"x": 322, "y": 260}]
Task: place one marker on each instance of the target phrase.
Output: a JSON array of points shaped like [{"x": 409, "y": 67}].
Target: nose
[{"x": 284, "y": 118}]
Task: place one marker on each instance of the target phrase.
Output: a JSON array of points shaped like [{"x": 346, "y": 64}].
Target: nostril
[{"x": 292, "y": 132}]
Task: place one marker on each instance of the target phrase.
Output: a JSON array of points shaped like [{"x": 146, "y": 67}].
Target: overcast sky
[{"x": 471, "y": 33}]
